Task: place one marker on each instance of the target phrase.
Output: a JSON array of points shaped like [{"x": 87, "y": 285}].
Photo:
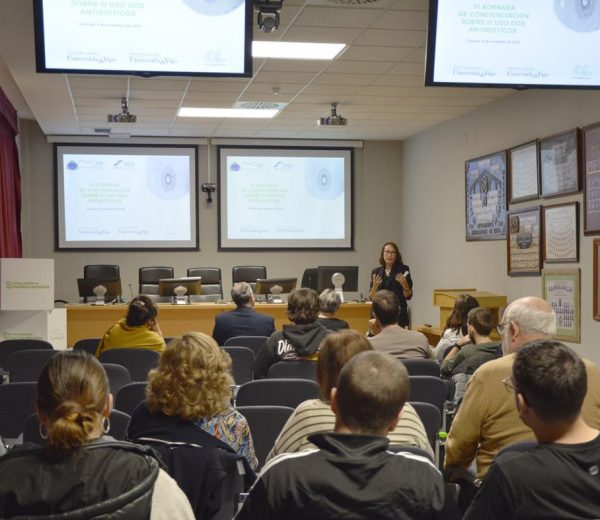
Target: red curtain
[{"x": 10, "y": 182}]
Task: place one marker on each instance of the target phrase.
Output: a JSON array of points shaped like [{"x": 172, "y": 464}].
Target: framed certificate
[
  {"x": 485, "y": 191},
  {"x": 561, "y": 289},
  {"x": 561, "y": 232},
  {"x": 523, "y": 172},
  {"x": 560, "y": 164},
  {"x": 591, "y": 179},
  {"x": 596, "y": 279},
  {"x": 524, "y": 242}
]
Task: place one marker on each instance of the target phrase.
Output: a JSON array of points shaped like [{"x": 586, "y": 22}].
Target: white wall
[{"x": 432, "y": 223}]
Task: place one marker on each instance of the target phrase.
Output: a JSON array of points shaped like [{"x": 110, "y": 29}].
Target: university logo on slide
[{"x": 72, "y": 165}]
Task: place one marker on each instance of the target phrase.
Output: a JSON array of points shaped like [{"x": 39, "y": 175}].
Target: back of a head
[
  {"x": 533, "y": 315},
  {"x": 329, "y": 301},
  {"x": 386, "y": 307},
  {"x": 241, "y": 294},
  {"x": 140, "y": 311},
  {"x": 482, "y": 320},
  {"x": 72, "y": 393},
  {"x": 458, "y": 318},
  {"x": 334, "y": 352},
  {"x": 303, "y": 306},
  {"x": 552, "y": 379},
  {"x": 371, "y": 391}
]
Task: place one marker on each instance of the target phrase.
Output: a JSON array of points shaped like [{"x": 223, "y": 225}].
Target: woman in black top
[{"x": 393, "y": 275}]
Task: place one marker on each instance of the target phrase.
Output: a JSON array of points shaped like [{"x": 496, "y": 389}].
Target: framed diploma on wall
[
  {"x": 596, "y": 279},
  {"x": 523, "y": 172},
  {"x": 524, "y": 242},
  {"x": 485, "y": 192},
  {"x": 561, "y": 232},
  {"x": 560, "y": 164},
  {"x": 591, "y": 179},
  {"x": 561, "y": 289}
]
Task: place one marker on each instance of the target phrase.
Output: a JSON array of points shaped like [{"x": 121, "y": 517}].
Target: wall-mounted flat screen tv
[
  {"x": 120, "y": 197},
  {"x": 514, "y": 43},
  {"x": 144, "y": 37}
]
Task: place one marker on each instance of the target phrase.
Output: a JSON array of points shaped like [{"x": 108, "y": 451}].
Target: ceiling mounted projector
[
  {"x": 268, "y": 14},
  {"x": 124, "y": 116},
  {"x": 333, "y": 119}
]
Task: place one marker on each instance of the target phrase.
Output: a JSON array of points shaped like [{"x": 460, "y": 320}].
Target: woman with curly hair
[{"x": 188, "y": 399}]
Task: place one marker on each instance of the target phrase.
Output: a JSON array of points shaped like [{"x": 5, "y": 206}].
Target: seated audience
[
  {"x": 467, "y": 355},
  {"x": 487, "y": 419},
  {"x": 393, "y": 339},
  {"x": 188, "y": 398},
  {"x": 139, "y": 329},
  {"x": 456, "y": 325},
  {"x": 558, "y": 478},
  {"x": 315, "y": 415},
  {"x": 329, "y": 303},
  {"x": 298, "y": 341},
  {"x": 351, "y": 474},
  {"x": 82, "y": 473},
  {"x": 244, "y": 320}
]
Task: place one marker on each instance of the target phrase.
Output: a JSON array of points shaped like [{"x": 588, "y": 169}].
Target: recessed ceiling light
[
  {"x": 296, "y": 50},
  {"x": 227, "y": 112}
]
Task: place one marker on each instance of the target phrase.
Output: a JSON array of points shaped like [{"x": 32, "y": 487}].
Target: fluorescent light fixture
[
  {"x": 296, "y": 50},
  {"x": 227, "y": 112}
]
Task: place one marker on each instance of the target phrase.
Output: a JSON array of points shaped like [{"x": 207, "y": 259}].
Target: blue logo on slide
[
  {"x": 72, "y": 165},
  {"x": 235, "y": 167}
]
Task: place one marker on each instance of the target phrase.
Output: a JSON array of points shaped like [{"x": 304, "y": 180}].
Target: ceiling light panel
[{"x": 296, "y": 50}]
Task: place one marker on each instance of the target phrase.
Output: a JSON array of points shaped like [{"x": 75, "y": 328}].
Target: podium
[{"x": 445, "y": 300}]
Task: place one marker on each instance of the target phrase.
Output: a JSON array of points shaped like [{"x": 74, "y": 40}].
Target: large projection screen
[
  {"x": 285, "y": 198},
  {"x": 117, "y": 197}
]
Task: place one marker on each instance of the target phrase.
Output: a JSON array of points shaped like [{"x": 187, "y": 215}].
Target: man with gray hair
[
  {"x": 487, "y": 419},
  {"x": 244, "y": 320}
]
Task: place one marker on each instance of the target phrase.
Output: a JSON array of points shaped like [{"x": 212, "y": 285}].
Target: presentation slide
[
  {"x": 112, "y": 197},
  {"x": 285, "y": 198},
  {"x": 522, "y": 42},
  {"x": 193, "y": 36}
]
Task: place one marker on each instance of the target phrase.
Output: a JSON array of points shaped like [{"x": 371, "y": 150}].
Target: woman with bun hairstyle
[
  {"x": 139, "y": 329},
  {"x": 456, "y": 325},
  {"x": 83, "y": 473}
]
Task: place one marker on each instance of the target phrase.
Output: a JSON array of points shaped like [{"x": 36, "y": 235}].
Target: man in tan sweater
[{"x": 487, "y": 419}]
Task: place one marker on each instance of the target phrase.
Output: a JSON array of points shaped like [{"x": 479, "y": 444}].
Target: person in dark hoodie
[{"x": 298, "y": 341}]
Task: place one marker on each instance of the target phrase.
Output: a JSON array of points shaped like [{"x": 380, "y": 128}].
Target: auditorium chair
[
  {"x": 26, "y": 365},
  {"x": 88, "y": 345},
  {"x": 139, "y": 361},
  {"x": 254, "y": 343},
  {"x": 293, "y": 368},
  {"x": 212, "y": 285},
  {"x": 130, "y": 396},
  {"x": 149, "y": 276},
  {"x": 309, "y": 278},
  {"x": 118, "y": 376},
  {"x": 276, "y": 392},
  {"x": 8, "y": 346},
  {"x": 248, "y": 273},
  {"x": 17, "y": 402},
  {"x": 242, "y": 364},
  {"x": 101, "y": 271}
]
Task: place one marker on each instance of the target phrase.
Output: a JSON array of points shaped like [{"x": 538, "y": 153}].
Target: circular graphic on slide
[
  {"x": 166, "y": 182},
  {"x": 213, "y": 7},
  {"x": 322, "y": 181},
  {"x": 578, "y": 15}
]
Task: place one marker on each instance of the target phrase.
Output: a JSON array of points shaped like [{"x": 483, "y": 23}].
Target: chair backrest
[
  {"x": 27, "y": 365},
  {"x": 248, "y": 273},
  {"x": 309, "y": 278},
  {"x": 422, "y": 367},
  {"x": 293, "y": 368},
  {"x": 211, "y": 279},
  {"x": 149, "y": 276},
  {"x": 8, "y": 346},
  {"x": 265, "y": 422},
  {"x": 101, "y": 271},
  {"x": 88, "y": 344},
  {"x": 17, "y": 403},
  {"x": 139, "y": 361},
  {"x": 130, "y": 396},
  {"x": 431, "y": 418},
  {"x": 118, "y": 376},
  {"x": 242, "y": 364},
  {"x": 428, "y": 389},
  {"x": 255, "y": 343},
  {"x": 276, "y": 392}
]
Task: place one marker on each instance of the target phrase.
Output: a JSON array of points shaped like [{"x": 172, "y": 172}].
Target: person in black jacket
[{"x": 352, "y": 476}]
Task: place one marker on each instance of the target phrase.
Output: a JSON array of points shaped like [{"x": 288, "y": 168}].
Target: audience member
[
  {"x": 456, "y": 325},
  {"x": 243, "y": 320},
  {"x": 300, "y": 340},
  {"x": 559, "y": 477},
  {"x": 139, "y": 329},
  {"x": 393, "y": 339},
  {"x": 351, "y": 474},
  {"x": 188, "y": 396},
  {"x": 82, "y": 473},
  {"x": 466, "y": 358},
  {"x": 329, "y": 303},
  {"x": 315, "y": 415},
  {"x": 487, "y": 420}
]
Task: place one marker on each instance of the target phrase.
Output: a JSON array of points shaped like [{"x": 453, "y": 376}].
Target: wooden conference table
[{"x": 92, "y": 321}]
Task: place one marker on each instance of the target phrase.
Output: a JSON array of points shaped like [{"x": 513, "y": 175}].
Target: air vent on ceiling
[{"x": 260, "y": 105}]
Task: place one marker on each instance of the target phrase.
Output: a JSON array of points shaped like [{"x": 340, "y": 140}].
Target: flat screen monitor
[
  {"x": 193, "y": 285},
  {"x": 268, "y": 286},
  {"x": 86, "y": 287},
  {"x": 513, "y": 43},
  {"x": 285, "y": 198},
  {"x": 144, "y": 37},
  {"x": 126, "y": 197},
  {"x": 325, "y": 272}
]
